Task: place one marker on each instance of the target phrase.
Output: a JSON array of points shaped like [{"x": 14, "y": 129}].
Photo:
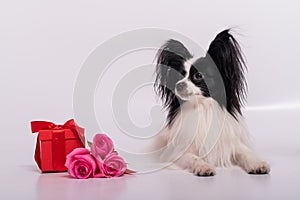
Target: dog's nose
[{"x": 180, "y": 86}]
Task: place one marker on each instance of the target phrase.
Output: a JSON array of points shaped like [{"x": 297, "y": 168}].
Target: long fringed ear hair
[
  {"x": 170, "y": 62},
  {"x": 227, "y": 55}
]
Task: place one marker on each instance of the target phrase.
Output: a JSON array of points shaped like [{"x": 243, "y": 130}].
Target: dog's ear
[
  {"x": 170, "y": 62},
  {"x": 227, "y": 55},
  {"x": 172, "y": 53}
]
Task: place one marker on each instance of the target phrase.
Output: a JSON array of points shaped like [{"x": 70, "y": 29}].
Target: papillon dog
[{"x": 203, "y": 98}]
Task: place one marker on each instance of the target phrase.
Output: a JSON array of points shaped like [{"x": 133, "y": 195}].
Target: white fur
[
  {"x": 192, "y": 90},
  {"x": 203, "y": 136}
]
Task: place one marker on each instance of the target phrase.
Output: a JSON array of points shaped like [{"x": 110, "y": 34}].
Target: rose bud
[{"x": 102, "y": 146}]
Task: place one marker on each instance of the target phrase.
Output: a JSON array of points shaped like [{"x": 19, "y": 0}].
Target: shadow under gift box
[{"x": 55, "y": 142}]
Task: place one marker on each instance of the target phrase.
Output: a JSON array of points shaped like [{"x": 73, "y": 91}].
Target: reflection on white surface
[
  {"x": 62, "y": 186},
  {"x": 26, "y": 182},
  {"x": 274, "y": 107}
]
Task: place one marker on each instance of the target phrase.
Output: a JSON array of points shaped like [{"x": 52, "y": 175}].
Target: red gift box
[{"x": 54, "y": 143}]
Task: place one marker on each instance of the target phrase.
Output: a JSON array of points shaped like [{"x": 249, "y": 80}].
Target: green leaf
[{"x": 89, "y": 143}]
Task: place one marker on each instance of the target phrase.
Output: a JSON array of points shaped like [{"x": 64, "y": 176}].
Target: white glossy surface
[{"x": 24, "y": 181}]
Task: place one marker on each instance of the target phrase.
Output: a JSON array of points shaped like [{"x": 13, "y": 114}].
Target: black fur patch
[
  {"x": 227, "y": 55},
  {"x": 169, "y": 71}
]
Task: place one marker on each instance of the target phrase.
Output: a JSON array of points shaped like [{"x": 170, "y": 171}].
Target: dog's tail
[{"x": 227, "y": 55}]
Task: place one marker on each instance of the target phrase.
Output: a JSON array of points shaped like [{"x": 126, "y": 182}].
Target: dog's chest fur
[{"x": 203, "y": 128}]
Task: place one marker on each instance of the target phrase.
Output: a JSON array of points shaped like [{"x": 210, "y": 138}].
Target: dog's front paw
[
  {"x": 204, "y": 170},
  {"x": 259, "y": 168}
]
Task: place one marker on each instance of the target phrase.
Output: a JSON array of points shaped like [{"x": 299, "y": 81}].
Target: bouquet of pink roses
[{"x": 101, "y": 162}]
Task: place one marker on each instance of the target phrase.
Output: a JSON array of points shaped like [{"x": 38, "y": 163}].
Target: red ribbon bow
[{"x": 36, "y": 126}]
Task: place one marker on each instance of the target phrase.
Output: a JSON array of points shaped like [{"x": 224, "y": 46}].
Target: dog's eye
[{"x": 198, "y": 76}]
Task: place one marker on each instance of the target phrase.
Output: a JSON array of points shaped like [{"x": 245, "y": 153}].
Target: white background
[{"x": 44, "y": 43}]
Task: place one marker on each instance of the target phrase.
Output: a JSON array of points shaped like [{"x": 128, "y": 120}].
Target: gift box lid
[
  {"x": 48, "y": 130},
  {"x": 48, "y": 134}
]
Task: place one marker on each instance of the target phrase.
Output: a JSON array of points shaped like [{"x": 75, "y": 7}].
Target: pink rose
[
  {"x": 81, "y": 164},
  {"x": 113, "y": 165},
  {"x": 102, "y": 146}
]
